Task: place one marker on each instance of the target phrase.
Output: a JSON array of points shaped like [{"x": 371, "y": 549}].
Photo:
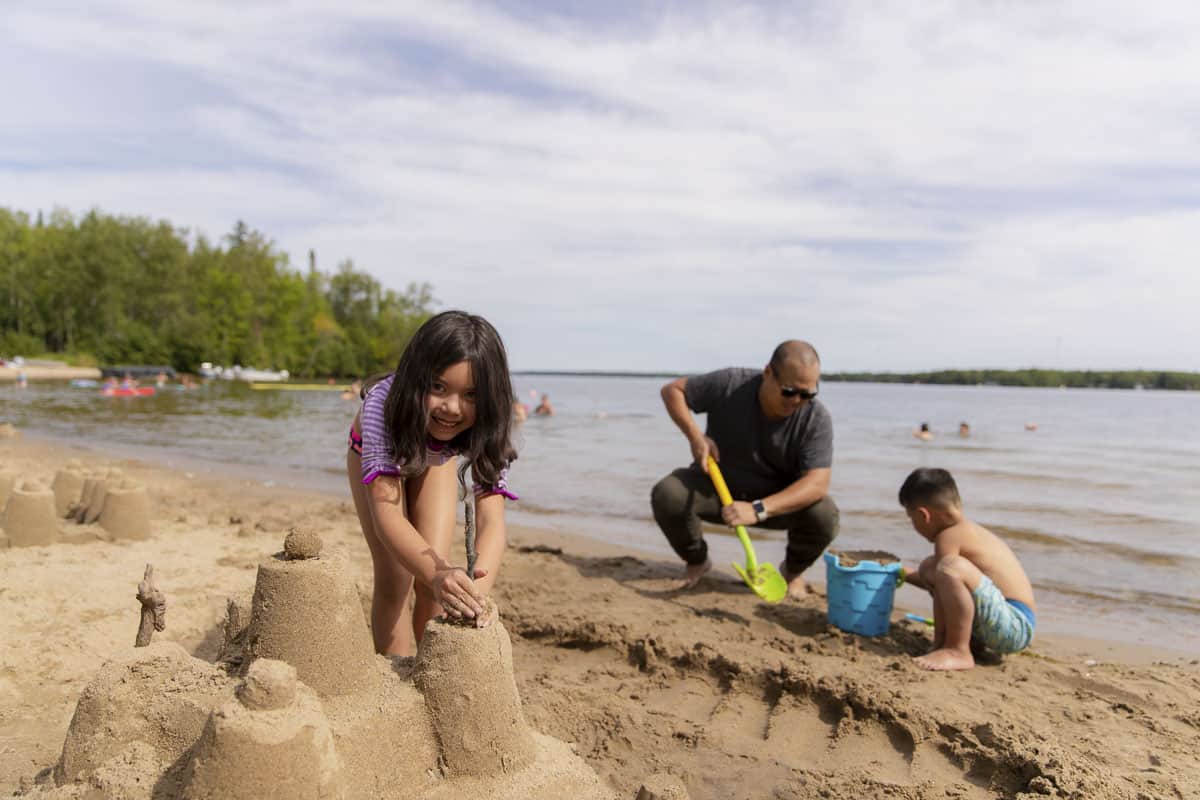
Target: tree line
[
  {"x": 1054, "y": 378},
  {"x": 103, "y": 289}
]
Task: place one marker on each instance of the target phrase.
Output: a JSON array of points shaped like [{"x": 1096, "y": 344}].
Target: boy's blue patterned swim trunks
[{"x": 1005, "y": 626}]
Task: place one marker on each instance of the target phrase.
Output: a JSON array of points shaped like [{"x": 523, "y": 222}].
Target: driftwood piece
[{"x": 154, "y": 609}]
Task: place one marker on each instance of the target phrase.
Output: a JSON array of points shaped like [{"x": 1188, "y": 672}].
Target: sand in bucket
[{"x": 861, "y": 586}]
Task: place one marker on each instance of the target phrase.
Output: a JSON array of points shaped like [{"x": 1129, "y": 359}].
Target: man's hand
[
  {"x": 738, "y": 513},
  {"x": 456, "y": 593},
  {"x": 702, "y": 448}
]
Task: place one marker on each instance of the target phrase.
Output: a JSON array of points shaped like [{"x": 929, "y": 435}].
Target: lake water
[{"x": 1101, "y": 502}]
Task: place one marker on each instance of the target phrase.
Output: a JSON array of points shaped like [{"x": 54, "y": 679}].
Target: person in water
[{"x": 980, "y": 590}]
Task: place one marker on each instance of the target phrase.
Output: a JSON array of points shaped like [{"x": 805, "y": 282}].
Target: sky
[{"x": 661, "y": 185}]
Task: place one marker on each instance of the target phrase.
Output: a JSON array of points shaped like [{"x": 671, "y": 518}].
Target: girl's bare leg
[
  {"x": 391, "y": 607},
  {"x": 432, "y": 498}
]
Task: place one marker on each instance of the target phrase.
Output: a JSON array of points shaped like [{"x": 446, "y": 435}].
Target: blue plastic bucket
[{"x": 860, "y": 597}]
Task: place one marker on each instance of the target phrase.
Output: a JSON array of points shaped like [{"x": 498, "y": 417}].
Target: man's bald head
[{"x": 795, "y": 353}]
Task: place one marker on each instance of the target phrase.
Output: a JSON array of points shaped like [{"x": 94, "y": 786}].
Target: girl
[{"x": 450, "y": 396}]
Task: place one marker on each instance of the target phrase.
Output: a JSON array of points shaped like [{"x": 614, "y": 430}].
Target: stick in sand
[
  {"x": 472, "y": 555},
  {"x": 154, "y": 609}
]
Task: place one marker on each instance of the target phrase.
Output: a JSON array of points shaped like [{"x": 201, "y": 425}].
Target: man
[{"x": 774, "y": 442}]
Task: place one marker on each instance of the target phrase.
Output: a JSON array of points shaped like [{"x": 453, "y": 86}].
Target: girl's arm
[
  {"x": 449, "y": 584},
  {"x": 491, "y": 537}
]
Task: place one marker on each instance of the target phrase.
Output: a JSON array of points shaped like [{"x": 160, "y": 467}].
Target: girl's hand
[{"x": 456, "y": 593}]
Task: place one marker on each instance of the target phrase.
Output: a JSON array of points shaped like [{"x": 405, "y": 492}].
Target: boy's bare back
[{"x": 991, "y": 555}]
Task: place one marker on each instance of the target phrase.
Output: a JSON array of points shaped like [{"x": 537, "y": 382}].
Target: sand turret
[
  {"x": 67, "y": 486},
  {"x": 272, "y": 741},
  {"x": 306, "y": 612},
  {"x": 466, "y": 676},
  {"x": 125, "y": 512},
  {"x": 158, "y": 695},
  {"x": 8, "y": 480},
  {"x": 29, "y": 517}
]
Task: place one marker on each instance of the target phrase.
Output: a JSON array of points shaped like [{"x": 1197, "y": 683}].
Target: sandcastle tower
[
  {"x": 306, "y": 612},
  {"x": 7, "y": 481},
  {"x": 158, "y": 696},
  {"x": 94, "y": 495},
  {"x": 29, "y": 517},
  {"x": 126, "y": 511},
  {"x": 272, "y": 741},
  {"x": 67, "y": 486},
  {"x": 466, "y": 676}
]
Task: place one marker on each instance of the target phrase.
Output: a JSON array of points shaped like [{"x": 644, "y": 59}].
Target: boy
[{"x": 979, "y": 588}]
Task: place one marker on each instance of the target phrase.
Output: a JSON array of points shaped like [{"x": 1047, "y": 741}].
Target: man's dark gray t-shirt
[{"x": 759, "y": 456}]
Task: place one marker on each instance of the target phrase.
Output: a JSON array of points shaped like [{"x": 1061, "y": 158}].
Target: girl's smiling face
[{"x": 450, "y": 404}]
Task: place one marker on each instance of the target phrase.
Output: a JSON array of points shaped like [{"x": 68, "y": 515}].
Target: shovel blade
[{"x": 765, "y": 581}]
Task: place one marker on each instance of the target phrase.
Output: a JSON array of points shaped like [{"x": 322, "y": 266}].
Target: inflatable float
[{"x": 138, "y": 391}]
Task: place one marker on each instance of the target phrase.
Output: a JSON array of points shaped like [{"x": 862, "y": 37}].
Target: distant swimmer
[
  {"x": 1031, "y": 426},
  {"x": 964, "y": 430},
  {"x": 520, "y": 411},
  {"x": 544, "y": 408},
  {"x": 923, "y": 433}
]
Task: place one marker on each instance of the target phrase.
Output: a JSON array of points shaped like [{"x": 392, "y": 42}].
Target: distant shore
[
  {"x": 8, "y": 374},
  {"x": 1033, "y": 378}
]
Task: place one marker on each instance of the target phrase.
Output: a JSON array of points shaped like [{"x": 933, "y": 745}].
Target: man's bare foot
[
  {"x": 797, "y": 587},
  {"x": 692, "y": 574},
  {"x": 946, "y": 659}
]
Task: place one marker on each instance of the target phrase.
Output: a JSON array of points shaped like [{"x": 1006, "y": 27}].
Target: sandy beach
[{"x": 732, "y": 697}]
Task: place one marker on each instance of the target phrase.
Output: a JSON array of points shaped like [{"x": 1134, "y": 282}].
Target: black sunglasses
[{"x": 804, "y": 394}]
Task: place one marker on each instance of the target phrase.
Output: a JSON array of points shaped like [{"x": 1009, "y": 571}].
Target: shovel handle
[{"x": 714, "y": 472}]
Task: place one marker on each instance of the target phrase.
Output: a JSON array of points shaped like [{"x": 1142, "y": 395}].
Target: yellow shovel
[{"x": 763, "y": 579}]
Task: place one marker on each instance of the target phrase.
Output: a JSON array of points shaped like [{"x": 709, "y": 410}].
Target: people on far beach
[
  {"x": 980, "y": 590},
  {"x": 774, "y": 441},
  {"x": 923, "y": 433},
  {"x": 448, "y": 403},
  {"x": 544, "y": 409}
]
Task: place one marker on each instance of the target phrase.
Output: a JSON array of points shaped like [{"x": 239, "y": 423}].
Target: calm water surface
[{"x": 1101, "y": 502}]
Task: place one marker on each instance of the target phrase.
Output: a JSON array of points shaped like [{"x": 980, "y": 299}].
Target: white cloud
[{"x": 908, "y": 185}]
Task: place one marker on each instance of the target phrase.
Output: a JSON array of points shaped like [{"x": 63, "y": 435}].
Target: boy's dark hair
[
  {"x": 929, "y": 486},
  {"x": 443, "y": 341}
]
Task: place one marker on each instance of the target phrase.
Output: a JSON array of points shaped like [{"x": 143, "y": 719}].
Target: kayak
[{"x": 140, "y": 391}]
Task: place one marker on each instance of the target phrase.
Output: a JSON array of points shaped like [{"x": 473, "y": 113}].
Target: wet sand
[{"x": 736, "y": 698}]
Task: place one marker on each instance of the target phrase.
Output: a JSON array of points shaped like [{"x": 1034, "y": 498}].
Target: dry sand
[{"x": 731, "y": 697}]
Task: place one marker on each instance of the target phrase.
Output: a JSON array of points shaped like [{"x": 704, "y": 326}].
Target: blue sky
[{"x": 662, "y": 185}]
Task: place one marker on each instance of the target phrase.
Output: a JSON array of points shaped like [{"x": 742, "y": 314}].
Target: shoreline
[{"x": 608, "y": 534}]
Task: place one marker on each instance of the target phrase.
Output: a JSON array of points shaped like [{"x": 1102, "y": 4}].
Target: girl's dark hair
[{"x": 443, "y": 341}]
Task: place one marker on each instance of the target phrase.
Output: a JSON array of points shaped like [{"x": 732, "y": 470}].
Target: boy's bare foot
[
  {"x": 946, "y": 659},
  {"x": 797, "y": 588},
  {"x": 692, "y": 574}
]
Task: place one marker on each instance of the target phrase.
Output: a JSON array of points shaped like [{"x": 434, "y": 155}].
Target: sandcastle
[
  {"x": 299, "y": 706},
  {"x": 30, "y": 513}
]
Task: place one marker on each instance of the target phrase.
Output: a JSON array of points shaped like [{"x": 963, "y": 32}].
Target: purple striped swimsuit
[{"x": 374, "y": 445}]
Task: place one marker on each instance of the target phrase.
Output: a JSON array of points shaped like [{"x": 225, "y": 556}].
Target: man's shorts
[{"x": 1004, "y": 626}]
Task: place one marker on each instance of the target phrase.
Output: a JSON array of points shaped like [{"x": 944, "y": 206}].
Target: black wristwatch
[{"x": 760, "y": 511}]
